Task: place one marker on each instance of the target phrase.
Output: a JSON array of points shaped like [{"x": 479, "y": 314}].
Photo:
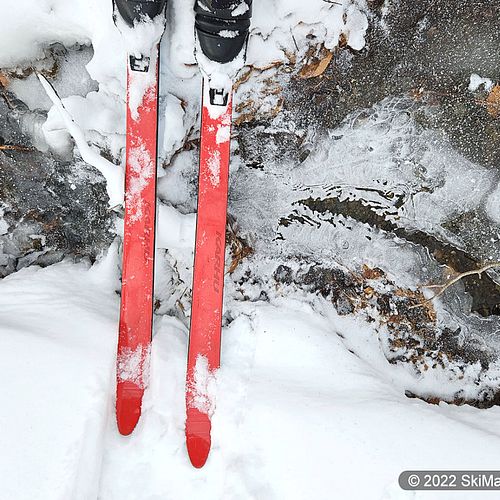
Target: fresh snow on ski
[
  {"x": 136, "y": 311},
  {"x": 222, "y": 31}
]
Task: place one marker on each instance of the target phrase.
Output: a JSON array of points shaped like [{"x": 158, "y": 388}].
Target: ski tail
[{"x": 208, "y": 279}]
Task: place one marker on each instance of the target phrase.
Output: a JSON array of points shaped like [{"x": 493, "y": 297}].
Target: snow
[
  {"x": 241, "y": 9},
  {"x": 223, "y": 134},
  {"x": 228, "y": 33},
  {"x": 202, "y": 390},
  {"x": 58, "y": 366},
  {"x": 175, "y": 230},
  {"x": 213, "y": 164},
  {"x": 306, "y": 402},
  {"x": 26, "y": 34},
  {"x": 133, "y": 366},
  {"x": 477, "y": 81},
  {"x": 172, "y": 134},
  {"x": 142, "y": 170},
  {"x": 4, "y": 226},
  {"x": 224, "y": 130},
  {"x": 113, "y": 174},
  {"x": 142, "y": 84}
]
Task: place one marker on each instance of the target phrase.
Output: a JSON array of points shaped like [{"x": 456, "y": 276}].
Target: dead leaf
[
  {"x": 4, "y": 80},
  {"x": 243, "y": 78},
  {"x": 372, "y": 274},
  {"x": 342, "y": 41},
  {"x": 317, "y": 66},
  {"x": 493, "y": 101},
  {"x": 291, "y": 56}
]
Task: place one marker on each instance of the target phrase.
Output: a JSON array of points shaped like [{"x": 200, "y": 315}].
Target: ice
[
  {"x": 380, "y": 157},
  {"x": 72, "y": 78},
  {"x": 493, "y": 205}
]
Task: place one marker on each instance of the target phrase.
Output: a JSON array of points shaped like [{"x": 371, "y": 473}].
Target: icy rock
[{"x": 62, "y": 202}]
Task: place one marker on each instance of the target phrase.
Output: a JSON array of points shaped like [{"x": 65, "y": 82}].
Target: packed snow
[{"x": 307, "y": 404}]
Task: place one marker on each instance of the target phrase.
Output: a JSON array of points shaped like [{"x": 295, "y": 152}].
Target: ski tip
[
  {"x": 128, "y": 406},
  {"x": 198, "y": 449}
]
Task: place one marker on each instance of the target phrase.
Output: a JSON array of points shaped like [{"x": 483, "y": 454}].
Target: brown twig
[
  {"x": 11, "y": 147},
  {"x": 457, "y": 278}
]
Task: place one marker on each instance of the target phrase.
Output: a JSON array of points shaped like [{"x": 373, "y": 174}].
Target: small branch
[
  {"x": 457, "y": 278},
  {"x": 294, "y": 41},
  {"x": 111, "y": 172},
  {"x": 11, "y": 147}
]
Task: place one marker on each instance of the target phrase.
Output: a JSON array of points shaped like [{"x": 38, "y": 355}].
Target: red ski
[
  {"x": 136, "y": 314},
  {"x": 136, "y": 311},
  {"x": 208, "y": 279},
  {"x": 222, "y": 29}
]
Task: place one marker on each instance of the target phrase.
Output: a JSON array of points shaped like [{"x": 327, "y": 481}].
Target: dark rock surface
[
  {"x": 427, "y": 48},
  {"x": 51, "y": 208}
]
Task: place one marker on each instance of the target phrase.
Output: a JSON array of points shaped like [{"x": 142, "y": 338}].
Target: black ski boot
[
  {"x": 222, "y": 27},
  {"x": 136, "y": 10}
]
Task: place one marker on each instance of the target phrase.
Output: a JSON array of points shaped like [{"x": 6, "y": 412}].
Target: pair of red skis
[{"x": 136, "y": 314}]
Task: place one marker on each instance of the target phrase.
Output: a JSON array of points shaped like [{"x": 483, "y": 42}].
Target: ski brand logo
[{"x": 218, "y": 261}]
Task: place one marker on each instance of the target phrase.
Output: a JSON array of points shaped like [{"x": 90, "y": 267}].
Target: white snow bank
[
  {"x": 27, "y": 28},
  {"x": 306, "y": 402},
  {"x": 298, "y": 416},
  {"x": 57, "y": 342}
]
